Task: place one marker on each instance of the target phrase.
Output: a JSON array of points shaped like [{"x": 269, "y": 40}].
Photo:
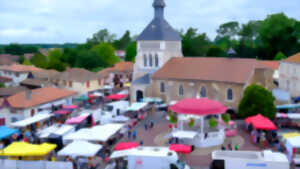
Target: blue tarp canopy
[
  {"x": 7, "y": 132},
  {"x": 288, "y": 106}
]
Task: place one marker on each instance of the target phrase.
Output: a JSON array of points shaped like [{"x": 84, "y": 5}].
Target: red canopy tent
[
  {"x": 116, "y": 96},
  {"x": 126, "y": 146},
  {"x": 181, "y": 148},
  {"x": 62, "y": 112},
  {"x": 201, "y": 106},
  {"x": 70, "y": 107},
  {"x": 261, "y": 123}
]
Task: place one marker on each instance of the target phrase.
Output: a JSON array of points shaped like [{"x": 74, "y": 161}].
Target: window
[
  {"x": 88, "y": 84},
  {"x": 70, "y": 84},
  {"x": 203, "y": 92},
  {"x": 181, "y": 91},
  {"x": 145, "y": 60},
  {"x": 150, "y": 60},
  {"x": 229, "y": 94},
  {"x": 162, "y": 87},
  {"x": 156, "y": 60}
]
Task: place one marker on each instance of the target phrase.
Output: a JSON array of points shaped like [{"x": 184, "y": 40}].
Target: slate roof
[
  {"x": 209, "y": 69},
  {"x": 159, "y": 28},
  {"x": 144, "y": 80}
]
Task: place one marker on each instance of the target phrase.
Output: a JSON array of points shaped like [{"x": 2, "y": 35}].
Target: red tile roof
[
  {"x": 5, "y": 79},
  {"x": 272, "y": 64},
  {"x": 38, "y": 96},
  {"x": 209, "y": 69},
  {"x": 20, "y": 68},
  {"x": 293, "y": 59}
]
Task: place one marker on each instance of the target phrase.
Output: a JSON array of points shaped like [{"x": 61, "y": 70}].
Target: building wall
[
  {"x": 289, "y": 78},
  {"x": 16, "y": 77},
  {"x": 165, "y": 50},
  {"x": 81, "y": 88}
]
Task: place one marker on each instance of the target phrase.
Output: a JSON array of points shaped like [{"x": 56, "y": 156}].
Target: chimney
[{"x": 28, "y": 94}]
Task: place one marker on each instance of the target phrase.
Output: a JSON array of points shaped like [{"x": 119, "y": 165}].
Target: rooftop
[
  {"x": 209, "y": 69},
  {"x": 77, "y": 75},
  {"x": 20, "y": 68},
  {"x": 272, "y": 64},
  {"x": 293, "y": 59},
  {"x": 38, "y": 96},
  {"x": 8, "y": 91}
]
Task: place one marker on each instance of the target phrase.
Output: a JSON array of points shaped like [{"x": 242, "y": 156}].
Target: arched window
[
  {"x": 162, "y": 87},
  {"x": 145, "y": 60},
  {"x": 181, "y": 91},
  {"x": 229, "y": 94},
  {"x": 156, "y": 60},
  {"x": 150, "y": 60},
  {"x": 203, "y": 92}
]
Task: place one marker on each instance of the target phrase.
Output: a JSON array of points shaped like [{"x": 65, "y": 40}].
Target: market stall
[
  {"x": 6, "y": 132},
  {"x": 27, "y": 151},
  {"x": 80, "y": 149},
  {"x": 32, "y": 120},
  {"x": 181, "y": 148},
  {"x": 125, "y": 146},
  {"x": 193, "y": 112},
  {"x": 260, "y": 122},
  {"x": 116, "y": 97}
]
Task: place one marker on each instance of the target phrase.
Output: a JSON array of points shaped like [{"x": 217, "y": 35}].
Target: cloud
[{"x": 59, "y": 21}]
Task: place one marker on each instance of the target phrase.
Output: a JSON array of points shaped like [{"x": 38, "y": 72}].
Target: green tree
[
  {"x": 21, "y": 59},
  {"x": 216, "y": 51},
  {"x": 1, "y": 49},
  {"x": 250, "y": 31},
  {"x": 257, "y": 100},
  {"x": 131, "y": 52},
  {"x": 26, "y": 62},
  {"x": 280, "y": 56},
  {"x": 30, "y": 49},
  {"x": 14, "y": 49},
  {"x": 276, "y": 34},
  {"x": 2, "y": 85},
  {"x": 123, "y": 42},
  {"x": 229, "y": 29},
  {"x": 102, "y": 36},
  {"x": 57, "y": 65},
  {"x": 39, "y": 60},
  {"x": 88, "y": 59},
  {"x": 106, "y": 54}
]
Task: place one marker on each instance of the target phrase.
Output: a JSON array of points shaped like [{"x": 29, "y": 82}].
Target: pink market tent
[
  {"x": 261, "y": 123},
  {"x": 76, "y": 120},
  {"x": 62, "y": 112},
  {"x": 70, "y": 107},
  {"x": 116, "y": 96},
  {"x": 201, "y": 106},
  {"x": 181, "y": 148},
  {"x": 126, "y": 146}
]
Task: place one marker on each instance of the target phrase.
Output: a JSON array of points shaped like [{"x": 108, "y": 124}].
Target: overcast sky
[{"x": 60, "y": 21}]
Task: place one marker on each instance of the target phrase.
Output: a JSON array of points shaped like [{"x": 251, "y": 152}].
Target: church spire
[{"x": 159, "y": 6}]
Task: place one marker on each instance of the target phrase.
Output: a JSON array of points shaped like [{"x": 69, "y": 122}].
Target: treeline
[{"x": 274, "y": 38}]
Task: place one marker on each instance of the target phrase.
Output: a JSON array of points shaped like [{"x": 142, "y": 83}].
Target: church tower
[{"x": 158, "y": 43}]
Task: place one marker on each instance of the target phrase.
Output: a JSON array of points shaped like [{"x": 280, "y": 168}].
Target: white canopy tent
[
  {"x": 97, "y": 133},
  {"x": 98, "y": 94},
  {"x": 60, "y": 130},
  {"x": 37, "y": 118},
  {"x": 137, "y": 106},
  {"x": 80, "y": 149},
  {"x": 120, "y": 119}
]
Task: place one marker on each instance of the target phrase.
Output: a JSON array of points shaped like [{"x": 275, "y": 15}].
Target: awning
[
  {"x": 32, "y": 120},
  {"x": 97, "y": 133},
  {"x": 62, "y": 112},
  {"x": 180, "y": 148},
  {"x": 120, "y": 119},
  {"x": 80, "y": 149},
  {"x": 261, "y": 123},
  {"x": 137, "y": 106},
  {"x": 184, "y": 134},
  {"x": 98, "y": 94},
  {"x": 60, "y": 130},
  {"x": 6, "y": 132},
  {"x": 290, "y": 135},
  {"x": 71, "y": 107},
  {"x": 152, "y": 99},
  {"x": 294, "y": 141},
  {"x": 288, "y": 106},
  {"x": 201, "y": 106},
  {"x": 116, "y": 96},
  {"x": 22, "y": 149},
  {"x": 126, "y": 146},
  {"x": 77, "y": 120}
]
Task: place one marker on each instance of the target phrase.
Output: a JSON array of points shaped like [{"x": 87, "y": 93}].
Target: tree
[
  {"x": 21, "y": 59},
  {"x": 131, "y": 52},
  {"x": 2, "y": 85},
  {"x": 102, "y": 36},
  {"x": 123, "y": 42},
  {"x": 39, "y": 60},
  {"x": 280, "y": 56},
  {"x": 229, "y": 29},
  {"x": 30, "y": 49},
  {"x": 276, "y": 34},
  {"x": 14, "y": 49},
  {"x": 250, "y": 31},
  {"x": 216, "y": 51},
  {"x": 106, "y": 54},
  {"x": 88, "y": 59},
  {"x": 26, "y": 62},
  {"x": 57, "y": 65},
  {"x": 257, "y": 100}
]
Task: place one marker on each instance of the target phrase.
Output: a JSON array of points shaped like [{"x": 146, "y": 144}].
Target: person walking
[
  {"x": 134, "y": 135},
  {"x": 151, "y": 124},
  {"x": 129, "y": 134},
  {"x": 146, "y": 126}
]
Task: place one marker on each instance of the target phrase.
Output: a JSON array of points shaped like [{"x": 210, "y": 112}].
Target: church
[{"x": 161, "y": 70}]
